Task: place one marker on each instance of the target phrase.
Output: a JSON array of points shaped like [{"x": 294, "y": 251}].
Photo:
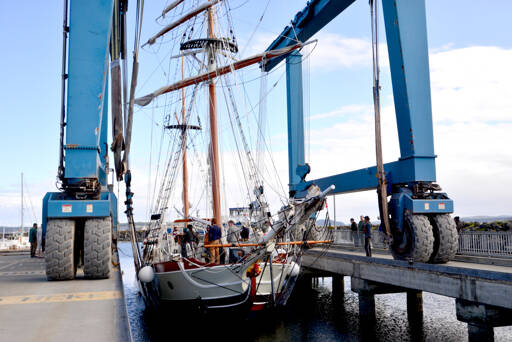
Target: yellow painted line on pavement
[{"x": 61, "y": 297}]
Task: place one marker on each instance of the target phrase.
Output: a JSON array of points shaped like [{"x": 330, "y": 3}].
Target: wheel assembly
[
  {"x": 416, "y": 241},
  {"x": 60, "y": 249},
  {"x": 97, "y": 248},
  {"x": 446, "y": 238}
]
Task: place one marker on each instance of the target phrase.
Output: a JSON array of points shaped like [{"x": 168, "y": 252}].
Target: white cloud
[
  {"x": 334, "y": 51},
  {"x": 472, "y": 84},
  {"x": 472, "y": 106}
]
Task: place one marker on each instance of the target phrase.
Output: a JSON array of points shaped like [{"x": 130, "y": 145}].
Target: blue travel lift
[
  {"x": 421, "y": 228},
  {"x": 80, "y": 221}
]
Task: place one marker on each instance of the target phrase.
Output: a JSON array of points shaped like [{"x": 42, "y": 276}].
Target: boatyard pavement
[{"x": 34, "y": 309}]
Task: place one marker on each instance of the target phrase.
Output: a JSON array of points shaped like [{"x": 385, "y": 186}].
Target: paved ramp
[{"x": 34, "y": 309}]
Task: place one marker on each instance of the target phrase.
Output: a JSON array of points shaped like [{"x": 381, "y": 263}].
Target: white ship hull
[{"x": 221, "y": 286}]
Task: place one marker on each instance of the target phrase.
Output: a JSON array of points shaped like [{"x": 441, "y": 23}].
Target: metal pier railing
[
  {"x": 494, "y": 244},
  {"x": 486, "y": 243}
]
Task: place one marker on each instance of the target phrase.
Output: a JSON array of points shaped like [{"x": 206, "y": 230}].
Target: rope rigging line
[
  {"x": 148, "y": 194},
  {"x": 157, "y": 208},
  {"x": 268, "y": 148},
  {"x": 255, "y": 28},
  {"x": 170, "y": 174},
  {"x": 238, "y": 149},
  {"x": 253, "y": 175},
  {"x": 260, "y": 133}
]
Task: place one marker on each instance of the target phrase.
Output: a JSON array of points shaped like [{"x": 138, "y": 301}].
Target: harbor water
[{"x": 309, "y": 316}]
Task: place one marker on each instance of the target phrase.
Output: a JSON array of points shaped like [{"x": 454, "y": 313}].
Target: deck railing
[{"x": 496, "y": 244}]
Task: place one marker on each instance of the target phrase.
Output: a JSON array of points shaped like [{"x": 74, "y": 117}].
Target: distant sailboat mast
[{"x": 21, "y": 228}]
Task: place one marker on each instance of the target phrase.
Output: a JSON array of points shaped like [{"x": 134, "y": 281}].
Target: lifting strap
[{"x": 381, "y": 175}]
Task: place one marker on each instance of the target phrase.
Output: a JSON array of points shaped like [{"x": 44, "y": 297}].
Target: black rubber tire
[
  {"x": 97, "y": 248},
  {"x": 60, "y": 249},
  {"x": 446, "y": 238},
  {"x": 420, "y": 240}
]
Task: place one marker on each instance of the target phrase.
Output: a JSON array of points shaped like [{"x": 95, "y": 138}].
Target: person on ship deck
[
  {"x": 233, "y": 238},
  {"x": 214, "y": 235}
]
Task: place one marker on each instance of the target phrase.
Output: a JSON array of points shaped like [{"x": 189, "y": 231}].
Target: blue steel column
[
  {"x": 103, "y": 138},
  {"x": 89, "y": 36},
  {"x": 406, "y": 32},
  {"x": 295, "y": 116}
]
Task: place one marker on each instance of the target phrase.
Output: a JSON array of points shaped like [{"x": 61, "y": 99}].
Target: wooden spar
[
  {"x": 180, "y": 21},
  {"x": 184, "y": 143},
  {"x": 145, "y": 100},
  {"x": 309, "y": 242},
  {"x": 206, "y": 220},
  {"x": 170, "y": 7},
  {"x": 214, "y": 145}
]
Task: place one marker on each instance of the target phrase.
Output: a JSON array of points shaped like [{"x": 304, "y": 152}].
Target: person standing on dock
[
  {"x": 367, "y": 236},
  {"x": 458, "y": 223},
  {"x": 32, "y": 238},
  {"x": 355, "y": 235},
  {"x": 360, "y": 227}
]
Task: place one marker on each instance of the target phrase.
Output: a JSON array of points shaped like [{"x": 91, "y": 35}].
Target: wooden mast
[
  {"x": 214, "y": 161},
  {"x": 184, "y": 137}
]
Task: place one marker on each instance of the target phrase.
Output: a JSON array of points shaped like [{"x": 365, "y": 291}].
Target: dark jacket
[
  {"x": 188, "y": 236},
  {"x": 367, "y": 228},
  {"x": 32, "y": 235},
  {"x": 353, "y": 227},
  {"x": 214, "y": 233}
]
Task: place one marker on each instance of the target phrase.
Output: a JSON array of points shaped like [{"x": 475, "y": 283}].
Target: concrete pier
[
  {"x": 483, "y": 292},
  {"x": 338, "y": 286},
  {"x": 34, "y": 309},
  {"x": 366, "y": 291},
  {"x": 482, "y": 319},
  {"x": 415, "y": 307},
  {"x": 486, "y": 284}
]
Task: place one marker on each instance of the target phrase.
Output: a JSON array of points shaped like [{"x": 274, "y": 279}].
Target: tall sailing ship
[{"x": 174, "y": 268}]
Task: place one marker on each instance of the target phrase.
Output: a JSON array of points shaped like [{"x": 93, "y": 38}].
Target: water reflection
[{"x": 311, "y": 315}]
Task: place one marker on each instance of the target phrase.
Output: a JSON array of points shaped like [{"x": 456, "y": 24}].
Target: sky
[{"x": 470, "y": 52}]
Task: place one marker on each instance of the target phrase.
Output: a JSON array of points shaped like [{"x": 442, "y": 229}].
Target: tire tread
[
  {"x": 59, "y": 258},
  {"x": 97, "y": 248},
  {"x": 446, "y": 231}
]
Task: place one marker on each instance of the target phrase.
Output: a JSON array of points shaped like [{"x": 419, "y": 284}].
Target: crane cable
[{"x": 381, "y": 175}]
